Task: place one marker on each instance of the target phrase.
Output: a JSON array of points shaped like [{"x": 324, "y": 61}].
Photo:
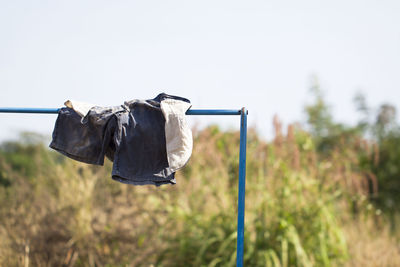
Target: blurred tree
[
  {"x": 325, "y": 131},
  {"x": 387, "y": 134},
  {"x": 360, "y": 101},
  {"x": 383, "y": 129},
  {"x": 385, "y": 121},
  {"x": 319, "y": 118}
]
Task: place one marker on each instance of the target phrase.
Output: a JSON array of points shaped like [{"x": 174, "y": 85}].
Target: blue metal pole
[
  {"x": 29, "y": 110},
  {"x": 242, "y": 187},
  {"x": 242, "y": 159},
  {"x": 213, "y": 112},
  {"x": 189, "y": 112}
]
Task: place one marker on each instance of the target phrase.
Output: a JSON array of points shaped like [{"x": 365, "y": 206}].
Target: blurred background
[{"x": 321, "y": 82}]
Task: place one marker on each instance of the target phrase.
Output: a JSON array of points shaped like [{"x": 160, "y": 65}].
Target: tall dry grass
[
  {"x": 300, "y": 207},
  {"x": 372, "y": 243}
]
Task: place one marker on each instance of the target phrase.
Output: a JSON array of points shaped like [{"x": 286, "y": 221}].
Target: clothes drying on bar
[{"x": 147, "y": 140}]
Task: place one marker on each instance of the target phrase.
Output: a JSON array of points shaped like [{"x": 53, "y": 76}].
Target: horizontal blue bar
[
  {"x": 213, "y": 112},
  {"x": 29, "y": 110},
  {"x": 189, "y": 112}
]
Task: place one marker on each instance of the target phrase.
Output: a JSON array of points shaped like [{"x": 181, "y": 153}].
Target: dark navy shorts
[{"x": 132, "y": 136}]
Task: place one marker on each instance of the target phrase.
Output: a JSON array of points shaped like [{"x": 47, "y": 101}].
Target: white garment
[
  {"x": 177, "y": 133},
  {"x": 81, "y": 108}
]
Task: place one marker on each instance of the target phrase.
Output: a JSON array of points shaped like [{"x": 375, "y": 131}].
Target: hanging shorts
[{"x": 132, "y": 136}]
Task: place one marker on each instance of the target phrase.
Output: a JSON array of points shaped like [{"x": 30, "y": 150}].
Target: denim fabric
[
  {"x": 131, "y": 135},
  {"x": 86, "y": 139}
]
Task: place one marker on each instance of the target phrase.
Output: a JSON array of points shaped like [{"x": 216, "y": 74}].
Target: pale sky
[{"x": 219, "y": 54}]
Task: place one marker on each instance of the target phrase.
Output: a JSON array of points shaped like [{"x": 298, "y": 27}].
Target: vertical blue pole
[{"x": 242, "y": 185}]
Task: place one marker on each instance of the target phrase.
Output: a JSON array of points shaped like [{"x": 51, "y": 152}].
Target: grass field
[{"x": 303, "y": 208}]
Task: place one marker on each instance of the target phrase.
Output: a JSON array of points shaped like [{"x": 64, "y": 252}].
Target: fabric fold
[
  {"x": 82, "y": 108},
  {"x": 178, "y": 135}
]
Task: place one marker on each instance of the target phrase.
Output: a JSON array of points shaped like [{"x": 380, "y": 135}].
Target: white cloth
[
  {"x": 178, "y": 135},
  {"x": 81, "y": 108}
]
